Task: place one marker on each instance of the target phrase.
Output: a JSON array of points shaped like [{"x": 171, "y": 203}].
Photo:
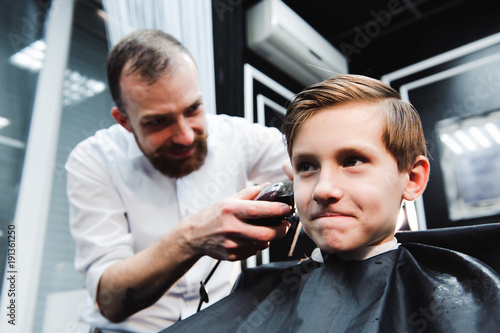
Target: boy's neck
[{"x": 362, "y": 253}]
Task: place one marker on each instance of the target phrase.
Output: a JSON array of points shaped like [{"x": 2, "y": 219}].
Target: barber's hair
[
  {"x": 147, "y": 52},
  {"x": 402, "y": 134}
]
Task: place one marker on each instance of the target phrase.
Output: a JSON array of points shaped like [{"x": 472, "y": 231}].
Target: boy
[{"x": 357, "y": 150}]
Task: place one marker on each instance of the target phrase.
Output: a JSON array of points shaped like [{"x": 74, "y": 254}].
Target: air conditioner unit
[{"x": 282, "y": 37}]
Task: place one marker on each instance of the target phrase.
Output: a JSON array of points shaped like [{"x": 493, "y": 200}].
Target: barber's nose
[
  {"x": 183, "y": 133},
  {"x": 328, "y": 188}
]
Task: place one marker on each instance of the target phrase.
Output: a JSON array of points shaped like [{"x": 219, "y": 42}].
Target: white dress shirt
[{"x": 120, "y": 205}]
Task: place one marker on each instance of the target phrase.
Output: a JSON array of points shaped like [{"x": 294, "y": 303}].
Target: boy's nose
[{"x": 328, "y": 188}]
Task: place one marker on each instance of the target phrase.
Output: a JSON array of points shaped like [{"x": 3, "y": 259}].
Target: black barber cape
[{"x": 416, "y": 288}]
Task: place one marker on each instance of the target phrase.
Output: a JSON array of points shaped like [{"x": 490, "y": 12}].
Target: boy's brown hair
[{"x": 402, "y": 134}]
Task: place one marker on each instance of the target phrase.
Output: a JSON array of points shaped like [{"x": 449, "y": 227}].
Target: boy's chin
[
  {"x": 335, "y": 247},
  {"x": 333, "y": 241}
]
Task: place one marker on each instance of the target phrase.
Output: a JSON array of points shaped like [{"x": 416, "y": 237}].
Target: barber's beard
[{"x": 175, "y": 167}]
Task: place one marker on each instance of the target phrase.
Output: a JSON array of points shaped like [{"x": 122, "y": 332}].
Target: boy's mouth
[{"x": 330, "y": 215}]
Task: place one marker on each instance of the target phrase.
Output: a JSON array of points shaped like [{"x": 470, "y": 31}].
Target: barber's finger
[
  {"x": 250, "y": 244},
  {"x": 255, "y": 209},
  {"x": 249, "y": 249},
  {"x": 259, "y": 245},
  {"x": 251, "y": 192},
  {"x": 263, "y": 233}
]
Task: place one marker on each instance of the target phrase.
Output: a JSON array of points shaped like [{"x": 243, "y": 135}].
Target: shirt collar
[{"x": 133, "y": 148}]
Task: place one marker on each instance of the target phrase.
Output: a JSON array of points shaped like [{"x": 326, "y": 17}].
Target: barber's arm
[{"x": 219, "y": 231}]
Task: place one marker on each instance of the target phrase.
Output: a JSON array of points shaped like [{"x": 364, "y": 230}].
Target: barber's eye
[
  {"x": 193, "y": 110},
  {"x": 155, "y": 123}
]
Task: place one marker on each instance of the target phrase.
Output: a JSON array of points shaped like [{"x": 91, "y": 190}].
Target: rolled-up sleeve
[{"x": 98, "y": 221}]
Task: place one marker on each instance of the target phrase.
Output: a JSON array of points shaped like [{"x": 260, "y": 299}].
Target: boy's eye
[
  {"x": 304, "y": 167},
  {"x": 353, "y": 161}
]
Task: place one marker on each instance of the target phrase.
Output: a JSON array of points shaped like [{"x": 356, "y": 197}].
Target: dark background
[{"x": 375, "y": 44}]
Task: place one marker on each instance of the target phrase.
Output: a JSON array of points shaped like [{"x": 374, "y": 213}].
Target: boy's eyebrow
[
  {"x": 365, "y": 149},
  {"x": 301, "y": 156},
  {"x": 353, "y": 149}
]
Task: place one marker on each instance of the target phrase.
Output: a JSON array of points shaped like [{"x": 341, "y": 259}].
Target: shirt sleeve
[{"x": 98, "y": 220}]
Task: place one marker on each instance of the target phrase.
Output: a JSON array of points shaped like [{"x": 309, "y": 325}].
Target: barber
[{"x": 158, "y": 198}]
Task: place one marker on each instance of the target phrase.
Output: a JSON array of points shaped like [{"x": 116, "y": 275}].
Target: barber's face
[{"x": 167, "y": 118}]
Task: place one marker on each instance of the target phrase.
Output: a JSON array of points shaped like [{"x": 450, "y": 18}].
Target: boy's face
[{"x": 348, "y": 188}]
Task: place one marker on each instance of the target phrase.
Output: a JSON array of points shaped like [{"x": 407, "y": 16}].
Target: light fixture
[
  {"x": 493, "y": 131},
  {"x": 78, "y": 87},
  {"x": 4, "y": 122},
  {"x": 465, "y": 140},
  {"x": 31, "y": 57},
  {"x": 479, "y": 137},
  {"x": 448, "y": 141}
]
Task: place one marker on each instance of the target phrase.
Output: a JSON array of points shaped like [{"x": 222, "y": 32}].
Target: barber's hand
[{"x": 220, "y": 231}]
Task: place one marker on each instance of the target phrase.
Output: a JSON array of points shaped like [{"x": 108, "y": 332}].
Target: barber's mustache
[{"x": 177, "y": 146}]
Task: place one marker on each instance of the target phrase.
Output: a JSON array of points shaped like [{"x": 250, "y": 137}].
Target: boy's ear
[
  {"x": 419, "y": 175},
  {"x": 287, "y": 168},
  {"x": 121, "y": 118}
]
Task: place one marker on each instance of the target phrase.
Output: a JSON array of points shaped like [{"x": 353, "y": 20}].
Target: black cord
[{"x": 203, "y": 291}]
